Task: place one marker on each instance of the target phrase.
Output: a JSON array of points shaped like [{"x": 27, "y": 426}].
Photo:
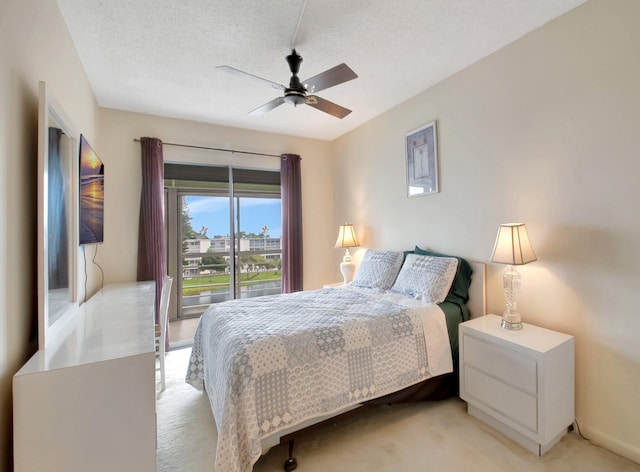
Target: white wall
[
  {"x": 121, "y": 156},
  {"x": 34, "y": 46},
  {"x": 544, "y": 131}
]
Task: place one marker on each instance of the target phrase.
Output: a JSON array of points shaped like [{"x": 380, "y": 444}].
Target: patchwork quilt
[{"x": 269, "y": 363}]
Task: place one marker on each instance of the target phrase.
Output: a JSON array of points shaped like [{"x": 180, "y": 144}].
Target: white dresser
[
  {"x": 519, "y": 382},
  {"x": 88, "y": 402}
]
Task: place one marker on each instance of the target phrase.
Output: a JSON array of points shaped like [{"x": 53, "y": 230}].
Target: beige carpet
[{"x": 429, "y": 436}]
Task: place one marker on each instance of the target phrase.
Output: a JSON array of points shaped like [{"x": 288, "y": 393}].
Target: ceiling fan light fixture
[{"x": 295, "y": 98}]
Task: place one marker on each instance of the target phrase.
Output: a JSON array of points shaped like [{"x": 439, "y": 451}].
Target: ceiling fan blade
[
  {"x": 334, "y": 76},
  {"x": 238, "y": 72},
  {"x": 327, "y": 106},
  {"x": 276, "y": 102}
]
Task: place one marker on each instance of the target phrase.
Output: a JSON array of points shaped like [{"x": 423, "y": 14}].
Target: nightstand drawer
[
  {"x": 512, "y": 403},
  {"x": 501, "y": 363}
]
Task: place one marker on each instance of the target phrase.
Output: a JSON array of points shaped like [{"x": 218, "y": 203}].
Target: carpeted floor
[{"x": 434, "y": 436}]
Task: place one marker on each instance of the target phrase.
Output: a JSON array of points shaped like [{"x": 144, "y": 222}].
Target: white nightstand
[
  {"x": 519, "y": 382},
  {"x": 333, "y": 285}
]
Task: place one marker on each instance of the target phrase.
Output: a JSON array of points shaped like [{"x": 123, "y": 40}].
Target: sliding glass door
[{"x": 223, "y": 239}]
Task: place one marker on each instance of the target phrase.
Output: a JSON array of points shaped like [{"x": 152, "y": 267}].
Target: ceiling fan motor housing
[{"x": 294, "y": 59}]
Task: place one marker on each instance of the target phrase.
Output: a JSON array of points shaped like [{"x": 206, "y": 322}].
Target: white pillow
[
  {"x": 426, "y": 277},
  {"x": 378, "y": 269}
]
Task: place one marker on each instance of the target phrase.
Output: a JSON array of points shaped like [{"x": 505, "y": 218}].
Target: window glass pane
[
  {"x": 205, "y": 252},
  {"x": 260, "y": 246}
]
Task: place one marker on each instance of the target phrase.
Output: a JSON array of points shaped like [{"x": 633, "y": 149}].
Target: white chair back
[{"x": 164, "y": 314}]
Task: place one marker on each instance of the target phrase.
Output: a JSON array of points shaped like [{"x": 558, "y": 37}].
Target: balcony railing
[{"x": 203, "y": 285}]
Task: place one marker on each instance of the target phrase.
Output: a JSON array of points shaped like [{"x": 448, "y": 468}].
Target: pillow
[
  {"x": 459, "y": 292},
  {"x": 426, "y": 277},
  {"x": 378, "y": 269}
]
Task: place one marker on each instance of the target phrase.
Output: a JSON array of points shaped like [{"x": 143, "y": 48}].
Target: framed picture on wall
[{"x": 421, "y": 151}]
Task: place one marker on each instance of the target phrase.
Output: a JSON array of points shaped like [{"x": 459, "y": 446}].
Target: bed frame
[{"x": 477, "y": 305}]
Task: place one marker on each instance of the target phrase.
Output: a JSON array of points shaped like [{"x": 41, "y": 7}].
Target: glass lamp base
[
  {"x": 511, "y": 325},
  {"x": 511, "y": 321},
  {"x": 511, "y": 280}
]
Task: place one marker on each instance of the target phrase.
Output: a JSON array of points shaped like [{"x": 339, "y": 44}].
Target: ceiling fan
[{"x": 297, "y": 91}]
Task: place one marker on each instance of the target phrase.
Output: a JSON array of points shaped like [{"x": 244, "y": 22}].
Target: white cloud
[{"x": 207, "y": 205}]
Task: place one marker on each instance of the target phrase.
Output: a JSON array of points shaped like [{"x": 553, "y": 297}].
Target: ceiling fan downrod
[{"x": 295, "y": 94}]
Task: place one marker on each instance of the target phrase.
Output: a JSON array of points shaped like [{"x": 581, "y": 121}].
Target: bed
[{"x": 274, "y": 365}]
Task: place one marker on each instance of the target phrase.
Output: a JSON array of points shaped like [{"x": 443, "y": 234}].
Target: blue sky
[{"x": 213, "y": 213}]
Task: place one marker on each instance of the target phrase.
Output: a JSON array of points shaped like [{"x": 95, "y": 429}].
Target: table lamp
[
  {"x": 512, "y": 247},
  {"x": 346, "y": 239}
]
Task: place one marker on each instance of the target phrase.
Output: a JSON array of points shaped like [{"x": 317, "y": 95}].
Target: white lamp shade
[
  {"x": 347, "y": 236},
  {"x": 512, "y": 245}
]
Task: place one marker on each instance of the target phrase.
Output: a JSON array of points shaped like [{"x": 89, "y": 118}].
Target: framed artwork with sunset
[{"x": 91, "y": 224}]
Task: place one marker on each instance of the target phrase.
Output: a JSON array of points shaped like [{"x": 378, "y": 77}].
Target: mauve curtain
[
  {"x": 291, "y": 189},
  {"x": 152, "y": 262}
]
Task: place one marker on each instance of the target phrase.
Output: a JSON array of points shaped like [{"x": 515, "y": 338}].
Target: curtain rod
[{"x": 232, "y": 151}]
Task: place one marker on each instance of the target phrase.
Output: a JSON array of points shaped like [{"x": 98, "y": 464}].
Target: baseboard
[{"x": 612, "y": 444}]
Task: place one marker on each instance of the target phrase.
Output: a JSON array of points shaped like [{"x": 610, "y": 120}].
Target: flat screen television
[{"x": 91, "y": 195}]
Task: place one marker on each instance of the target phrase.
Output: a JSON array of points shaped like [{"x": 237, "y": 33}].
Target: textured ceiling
[{"x": 159, "y": 56}]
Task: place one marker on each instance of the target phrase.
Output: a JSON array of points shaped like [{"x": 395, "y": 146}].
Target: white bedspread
[{"x": 269, "y": 363}]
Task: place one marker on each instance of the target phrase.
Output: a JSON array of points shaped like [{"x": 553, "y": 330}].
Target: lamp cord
[{"x": 580, "y": 432}]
